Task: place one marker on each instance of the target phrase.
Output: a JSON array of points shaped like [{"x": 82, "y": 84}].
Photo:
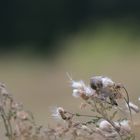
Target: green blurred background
[{"x": 42, "y": 40}]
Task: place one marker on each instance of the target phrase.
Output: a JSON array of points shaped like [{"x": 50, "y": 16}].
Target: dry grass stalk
[{"x": 101, "y": 97}]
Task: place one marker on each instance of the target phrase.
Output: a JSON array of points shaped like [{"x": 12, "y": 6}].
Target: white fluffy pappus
[
  {"x": 105, "y": 126},
  {"x": 77, "y": 84},
  {"x": 76, "y": 93},
  {"x": 123, "y": 125},
  {"x": 88, "y": 91},
  {"x": 107, "y": 82},
  {"x": 133, "y": 107},
  {"x": 79, "y": 88}
]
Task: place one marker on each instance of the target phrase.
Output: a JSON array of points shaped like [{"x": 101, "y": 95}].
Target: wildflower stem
[
  {"x": 127, "y": 101},
  {"x": 6, "y": 124},
  {"x": 83, "y": 115},
  {"x": 104, "y": 115}
]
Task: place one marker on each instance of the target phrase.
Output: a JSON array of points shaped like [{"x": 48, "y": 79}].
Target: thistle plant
[
  {"x": 102, "y": 97},
  {"x": 110, "y": 118}
]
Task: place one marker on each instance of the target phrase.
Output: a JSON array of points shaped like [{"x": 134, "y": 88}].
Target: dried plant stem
[
  {"x": 83, "y": 115},
  {"x": 103, "y": 122},
  {"x": 104, "y": 115},
  {"x": 7, "y": 124},
  {"x": 113, "y": 125},
  {"x": 127, "y": 101}
]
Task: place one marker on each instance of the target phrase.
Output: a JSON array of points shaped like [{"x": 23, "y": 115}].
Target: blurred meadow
[{"x": 41, "y": 41}]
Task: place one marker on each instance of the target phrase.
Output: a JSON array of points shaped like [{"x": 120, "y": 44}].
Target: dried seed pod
[
  {"x": 96, "y": 82},
  {"x": 104, "y": 88}
]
